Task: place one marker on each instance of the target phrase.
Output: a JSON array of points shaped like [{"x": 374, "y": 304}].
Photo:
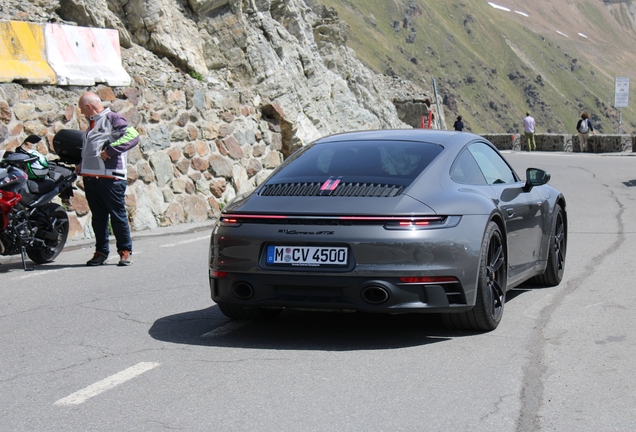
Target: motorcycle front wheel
[{"x": 52, "y": 230}]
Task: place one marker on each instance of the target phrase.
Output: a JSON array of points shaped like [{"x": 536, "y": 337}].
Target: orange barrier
[{"x": 22, "y": 54}]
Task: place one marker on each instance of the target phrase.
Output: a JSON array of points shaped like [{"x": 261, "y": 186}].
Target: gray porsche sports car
[{"x": 390, "y": 221}]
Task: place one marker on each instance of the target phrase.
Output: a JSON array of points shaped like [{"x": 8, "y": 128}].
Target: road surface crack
[{"x": 532, "y": 390}]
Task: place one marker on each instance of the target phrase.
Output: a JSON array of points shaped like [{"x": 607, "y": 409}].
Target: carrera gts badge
[{"x": 284, "y": 231}]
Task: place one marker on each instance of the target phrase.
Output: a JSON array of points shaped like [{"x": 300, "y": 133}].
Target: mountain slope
[{"x": 492, "y": 65}]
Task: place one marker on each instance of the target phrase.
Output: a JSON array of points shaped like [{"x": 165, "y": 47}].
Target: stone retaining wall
[
  {"x": 192, "y": 159},
  {"x": 600, "y": 143}
]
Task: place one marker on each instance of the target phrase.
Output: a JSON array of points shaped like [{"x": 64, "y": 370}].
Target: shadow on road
[
  {"x": 295, "y": 330},
  {"x": 308, "y": 330},
  {"x": 16, "y": 266}
]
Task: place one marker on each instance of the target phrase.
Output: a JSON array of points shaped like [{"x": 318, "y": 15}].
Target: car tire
[
  {"x": 556, "y": 254},
  {"x": 491, "y": 287},
  {"x": 248, "y": 313}
]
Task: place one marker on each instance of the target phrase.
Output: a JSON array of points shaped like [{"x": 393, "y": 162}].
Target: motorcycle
[{"x": 30, "y": 223}]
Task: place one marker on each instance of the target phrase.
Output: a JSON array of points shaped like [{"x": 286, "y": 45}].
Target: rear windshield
[{"x": 394, "y": 162}]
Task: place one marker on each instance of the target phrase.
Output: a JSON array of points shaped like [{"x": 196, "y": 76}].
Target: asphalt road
[{"x": 144, "y": 348}]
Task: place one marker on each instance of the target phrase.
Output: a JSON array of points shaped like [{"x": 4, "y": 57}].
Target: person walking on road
[
  {"x": 528, "y": 131},
  {"x": 459, "y": 124},
  {"x": 103, "y": 169},
  {"x": 584, "y": 127}
]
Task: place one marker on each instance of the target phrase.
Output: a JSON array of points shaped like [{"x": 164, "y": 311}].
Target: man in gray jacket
[{"x": 103, "y": 169}]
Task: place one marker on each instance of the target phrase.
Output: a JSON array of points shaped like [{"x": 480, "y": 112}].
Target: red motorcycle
[{"x": 30, "y": 223}]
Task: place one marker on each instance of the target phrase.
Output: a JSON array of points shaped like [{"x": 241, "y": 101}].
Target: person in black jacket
[
  {"x": 459, "y": 124},
  {"x": 584, "y": 127}
]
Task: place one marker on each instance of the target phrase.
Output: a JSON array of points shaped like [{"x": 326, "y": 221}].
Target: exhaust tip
[
  {"x": 242, "y": 290},
  {"x": 375, "y": 294}
]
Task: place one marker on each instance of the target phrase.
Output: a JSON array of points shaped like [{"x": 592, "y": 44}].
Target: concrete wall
[{"x": 599, "y": 143}]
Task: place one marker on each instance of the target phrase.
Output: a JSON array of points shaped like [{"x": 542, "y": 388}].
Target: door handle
[{"x": 510, "y": 212}]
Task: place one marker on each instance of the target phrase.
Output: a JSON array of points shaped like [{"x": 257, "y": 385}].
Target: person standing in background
[
  {"x": 528, "y": 131},
  {"x": 584, "y": 127},
  {"x": 103, "y": 168},
  {"x": 459, "y": 124}
]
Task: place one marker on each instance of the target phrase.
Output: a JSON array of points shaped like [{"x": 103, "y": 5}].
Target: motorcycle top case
[{"x": 67, "y": 143}]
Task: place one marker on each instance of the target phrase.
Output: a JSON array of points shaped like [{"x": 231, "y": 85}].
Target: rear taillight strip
[
  {"x": 347, "y": 218},
  {"x": 404, "y": 223}
]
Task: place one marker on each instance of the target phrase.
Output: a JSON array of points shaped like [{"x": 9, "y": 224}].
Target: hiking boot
[
  {"x": 99, "y": 258},
  {"x": 124, "y": 258}
]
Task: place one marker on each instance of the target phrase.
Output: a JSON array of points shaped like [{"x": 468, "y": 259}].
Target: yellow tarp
[{"x": 23, "y": 53}]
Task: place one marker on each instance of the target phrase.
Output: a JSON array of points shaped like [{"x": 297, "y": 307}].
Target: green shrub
[{"x": 196, "y": 75}]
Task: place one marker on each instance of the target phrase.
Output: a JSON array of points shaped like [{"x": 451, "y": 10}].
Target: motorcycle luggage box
[{"x": 67, "y": 144}]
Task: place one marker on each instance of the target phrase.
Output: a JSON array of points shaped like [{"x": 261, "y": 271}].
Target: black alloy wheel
[
  {"x": 491, "y": 287},
  {"x": 495, "y": 274},
  {"x": 557, "y": 249}
]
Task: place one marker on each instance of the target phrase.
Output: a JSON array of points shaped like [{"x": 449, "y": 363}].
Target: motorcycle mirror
[{"x": 33, "y": 139}]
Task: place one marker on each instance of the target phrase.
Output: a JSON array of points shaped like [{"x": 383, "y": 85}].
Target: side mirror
[{"x": 536, "y": 177}]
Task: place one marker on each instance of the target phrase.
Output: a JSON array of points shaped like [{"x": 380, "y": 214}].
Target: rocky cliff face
[{"x": 223, "y": 91}]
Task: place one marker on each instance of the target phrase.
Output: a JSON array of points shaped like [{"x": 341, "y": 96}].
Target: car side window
[
  {"x": 466, "y": 171},
  {"x": 492, "y": 165}
]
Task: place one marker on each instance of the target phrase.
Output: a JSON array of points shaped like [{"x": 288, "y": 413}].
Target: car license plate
[{"x": 307, "y": 256}]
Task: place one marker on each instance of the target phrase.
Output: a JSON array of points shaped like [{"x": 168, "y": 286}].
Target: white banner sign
[{"x": 621, "y": 92}]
